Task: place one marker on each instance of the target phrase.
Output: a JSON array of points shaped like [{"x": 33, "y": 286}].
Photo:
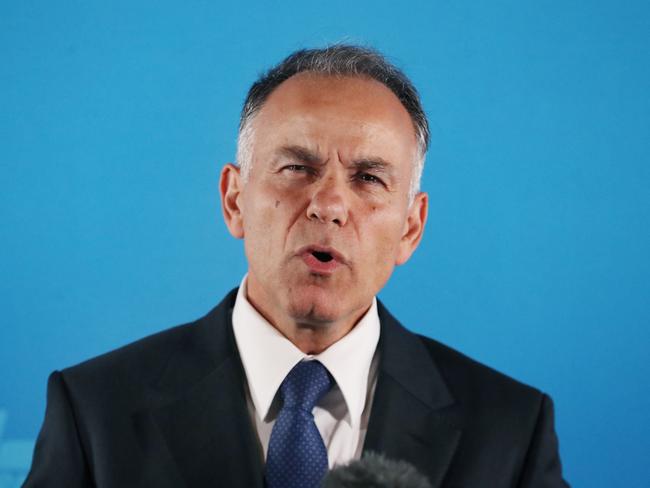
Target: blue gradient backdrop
[{"x": 115, "y": 118}]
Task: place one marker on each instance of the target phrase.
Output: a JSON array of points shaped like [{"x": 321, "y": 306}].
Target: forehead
[{"x": 336, "y": 107}]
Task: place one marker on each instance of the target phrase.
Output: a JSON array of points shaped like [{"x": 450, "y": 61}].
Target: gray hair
[{"x": 336, "y": 60}]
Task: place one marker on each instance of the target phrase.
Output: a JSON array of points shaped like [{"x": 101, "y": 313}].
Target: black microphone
[{"x": 375, "y": 471}]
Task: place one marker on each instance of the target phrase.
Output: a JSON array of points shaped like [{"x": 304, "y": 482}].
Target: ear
[
  {"x": 413, "y": 227},
  {"x": 230, "y": 186}
]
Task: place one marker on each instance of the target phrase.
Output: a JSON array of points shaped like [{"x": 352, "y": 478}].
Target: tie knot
[{"x": 305, "y": 384}]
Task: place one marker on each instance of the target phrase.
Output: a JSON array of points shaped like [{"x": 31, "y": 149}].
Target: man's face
[{"x": 324, "y": 211}]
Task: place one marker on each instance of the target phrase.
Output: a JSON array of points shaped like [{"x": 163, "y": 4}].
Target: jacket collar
[
  {"x": 201, "y": 408},
  {"x": 412, "y": 416}
]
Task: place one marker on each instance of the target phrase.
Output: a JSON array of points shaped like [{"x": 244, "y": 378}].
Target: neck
[
  {"x": 312, "y": 335},
  {"x": 310, "y": 339}
]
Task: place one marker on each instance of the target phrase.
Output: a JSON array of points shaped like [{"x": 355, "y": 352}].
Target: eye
[
  {"x": 297, "y": 168},
  {"x": 368, "y": 178}
]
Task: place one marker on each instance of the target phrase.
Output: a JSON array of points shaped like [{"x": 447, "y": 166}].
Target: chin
[{"x": 315, "y": 306}]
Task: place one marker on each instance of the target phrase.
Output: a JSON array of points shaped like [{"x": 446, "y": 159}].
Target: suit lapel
[
  {"x": 201, "y": 409},
  {"x": 412, "y": 417}
]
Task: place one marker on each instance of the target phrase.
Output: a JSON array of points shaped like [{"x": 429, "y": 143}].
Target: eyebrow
[
  {"x": 300, "y": 153},
  {"x": 375, "y": 163}
]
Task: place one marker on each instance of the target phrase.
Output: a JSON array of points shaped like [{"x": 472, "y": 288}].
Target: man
[{"x": 301, "y": 368}]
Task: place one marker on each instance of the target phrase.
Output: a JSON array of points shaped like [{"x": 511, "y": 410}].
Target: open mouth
[
  {"x": 320, "y": 260},
  {"x": 323, "y": 257}
]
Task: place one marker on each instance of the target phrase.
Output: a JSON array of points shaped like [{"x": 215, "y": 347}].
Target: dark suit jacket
[{"x": 170, "y": 411}]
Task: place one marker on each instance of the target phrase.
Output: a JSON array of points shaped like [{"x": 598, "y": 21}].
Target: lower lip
[{"x": 316, "y": 266}]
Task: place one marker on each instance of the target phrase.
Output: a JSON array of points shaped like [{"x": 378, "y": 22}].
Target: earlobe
[
  {"x": 413, "y": 227},
  {"x": 230, "y": 187}
]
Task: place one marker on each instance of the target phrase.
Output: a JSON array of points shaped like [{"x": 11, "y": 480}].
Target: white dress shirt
[{"x": 342, "y": 414}]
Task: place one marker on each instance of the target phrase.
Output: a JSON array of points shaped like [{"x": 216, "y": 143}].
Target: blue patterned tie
[{"x": 297, "y": 457}]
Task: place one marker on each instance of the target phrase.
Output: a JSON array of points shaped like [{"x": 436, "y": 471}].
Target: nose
[{"x": 329, "y": 202}]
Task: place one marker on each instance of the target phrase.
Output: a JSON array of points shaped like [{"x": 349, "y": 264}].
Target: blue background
[{"x": 115, "y": 118}]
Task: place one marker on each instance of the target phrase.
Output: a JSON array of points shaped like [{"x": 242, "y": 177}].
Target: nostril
[{"x": 323, "y": 257}]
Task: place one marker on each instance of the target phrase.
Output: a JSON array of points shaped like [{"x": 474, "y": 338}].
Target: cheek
[
  {"x": 258, "y": 226},
  {"x": 382, "y": 244},
  {"x": 268, "y": 216},
  {"x": 379, "y": 250},
  {"x": 261, "y": 205}
]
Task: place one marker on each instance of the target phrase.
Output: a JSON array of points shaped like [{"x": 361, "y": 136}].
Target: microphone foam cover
[{"x": 375, "y": 471}]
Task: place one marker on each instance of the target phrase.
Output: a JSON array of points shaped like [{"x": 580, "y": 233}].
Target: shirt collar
[{"x": 268, "y": 356}]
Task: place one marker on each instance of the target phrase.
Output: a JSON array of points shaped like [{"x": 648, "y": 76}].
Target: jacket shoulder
[
  {"x": 142, "y": 358},
  {"x": 143, "y": 361},
  {"x": 125, "y": 379},
  {"x": 473, "y": 383}
]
